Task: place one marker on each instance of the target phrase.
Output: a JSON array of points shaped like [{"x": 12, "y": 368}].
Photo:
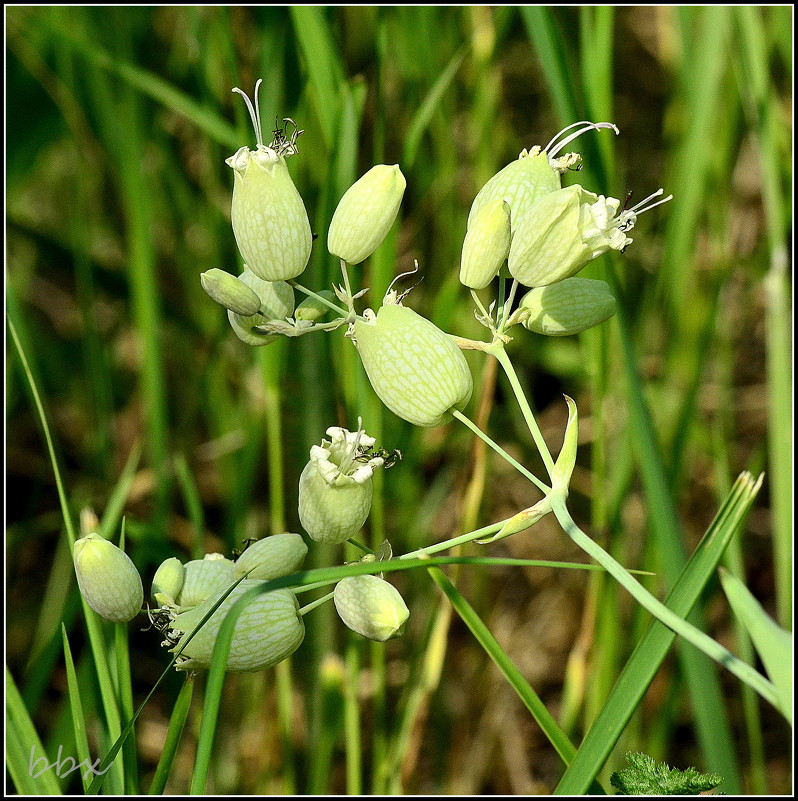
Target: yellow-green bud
[
  {"x": 268, "y": 631},
  {"x": 271, "y": 557},
  {"x": 335, "y": 488},
  {"x": 371, "y": 607},
  {"x": 230, "y": 292},
  {"x": 519, "y": 184},
  {"x": 567, "y": 307},
  {"x": 276, "y": 302},
  {"x": 204, "y": 577},
  {"x": 366, "y": 213},
  {"x": 416, "y": 369},
  {"x": 486, "y": 244},
  {"x": 312, "y": 309},
  {"x": 107, "y": 579},
  {"x": 168, "y": 581}
]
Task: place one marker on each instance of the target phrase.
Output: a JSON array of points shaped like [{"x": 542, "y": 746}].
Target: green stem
[
  {"x": 687, "y": 631},
  {"x": 312, "y": 294},
  {"x": 313, "y": 604},
  {"x": 504, "y": 360},
  {"x": 503, "y": 453}
]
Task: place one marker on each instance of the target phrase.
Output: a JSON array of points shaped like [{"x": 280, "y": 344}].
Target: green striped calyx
[
  {"x": 271, "y": 557},
  {"x": 567, "y": 307},
  {"x": 416, "y": 369},
  {"x": 230, "y": 292},
  {"x": 268, "y": 631},
  {"x": 204, "y": 577},
  {"x": 371, "y": 606},
  {"x": 168, "y": 581}
]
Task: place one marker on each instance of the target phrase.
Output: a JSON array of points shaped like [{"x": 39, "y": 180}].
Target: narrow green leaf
[
  {"x": 773, "y": 643},
  {"x": 177, "y": 723},
  {"x": 641, "y": 667},
  {"x": 25, "y": 754}
]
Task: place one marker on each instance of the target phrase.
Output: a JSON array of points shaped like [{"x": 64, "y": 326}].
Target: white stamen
[
  {"x": 588, "y": 126},
  {"x": 254, "y": 112},
  {"x": 636, "y": 208}
]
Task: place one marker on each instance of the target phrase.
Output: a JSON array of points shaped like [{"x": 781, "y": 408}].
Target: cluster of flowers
[{"x": 522, "y": 221}]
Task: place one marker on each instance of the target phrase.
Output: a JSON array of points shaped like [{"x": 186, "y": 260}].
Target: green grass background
[{"x": 118, "y": 124}]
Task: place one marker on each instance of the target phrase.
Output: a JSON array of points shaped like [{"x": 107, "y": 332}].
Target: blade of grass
[
  {"x": 639, "y": 671},
  {"x": 325, "y": 72},
  {"x": 177, "y": 723},
  {"x": 77, "y": 709},
  {"x": 23, "y": 748}
]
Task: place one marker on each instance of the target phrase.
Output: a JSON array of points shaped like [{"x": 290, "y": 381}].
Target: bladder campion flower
[
  {"x": 276, "y": 303},
  {"x": 416, "y": 369},
  {"x": 565, "y": 229},
  {"x": 335, "y": 488},
  {"x": 486, "y": 244},
  {"x": 269, "y": 219},
  {"x": 269, "y": 630},
  {"x": 271, "y": 557}
]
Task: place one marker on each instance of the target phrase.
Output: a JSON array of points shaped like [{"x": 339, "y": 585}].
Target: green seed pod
[
  {"x": 204, "y": 577},
  {"x": 519, "y": 184},
  {"x": 107, "y": 579},
  {"x": 371, "y": 607},
  {"x": 567, "y": 307},
  {"x": 270, "y": 223},
  {"x": 230, "y": 292},
  {"x": 416, "y": 369},
  {"x": 276, "y": 301},
  {"x": 335, "y": 488},
  {"x": 561, "y": 232},
  {"x": 168, "y": 581},
  {"x": 312, "y": 309},
  {"x": 268, "y": 631},
  {"x": 366, "y": 213},
  {"x": 272, "y": 557},
  {"x": 486, "y": 244}
]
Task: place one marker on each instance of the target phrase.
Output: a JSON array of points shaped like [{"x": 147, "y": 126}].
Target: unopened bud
[
  {"x": 366, "y": 213},
  {"x": 567, "y": 307},
  {"x": 486, "y": 245},
  {"x": 107, "y": 579},
  {"x": 371, "y": 607},
  {"x": 277, "y": 555},
  {"x": 230, "y": 292}
]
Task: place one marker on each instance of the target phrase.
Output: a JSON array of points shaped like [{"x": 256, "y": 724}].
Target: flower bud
[
  {"x": 371, "y": 607},
  {"x": 312, "y": 309},
  {"x": 107, "y": 579},
  {"x": 268, "y": 631},
  {"x": 564, "y": 230},
  {"x": 567, "y": 307},
  {"x": 204, "y": 577},
  {"x": 276, "y": 301},
  {"x": 519, "y": 184},
  {"x": 271, "y": 557},
  {"x": 230, "y": 292},
  {"x": 168, "y": 581},
  {"x": 335, "y": 488},
  {"x": 366, "y": 213},
  {"x": 270, "y": 223},
  {"x": 486, "y": 244},
  {"x": 416, "y": 369}
]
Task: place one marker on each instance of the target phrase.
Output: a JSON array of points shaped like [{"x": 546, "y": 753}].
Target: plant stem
[
  {"x": 503, "y": 453},
  {"x": 312, "y": 294},
  {"x": 498, "y": 351},
  {"x": 313, "y": 604},
  {"x": 687, "y": 631}
]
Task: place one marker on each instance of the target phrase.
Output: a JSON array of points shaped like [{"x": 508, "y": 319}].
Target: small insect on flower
[{"x": 270, "y": 223}]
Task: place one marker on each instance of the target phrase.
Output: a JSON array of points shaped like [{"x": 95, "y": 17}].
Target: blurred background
[{"x": 118, "y": 124}]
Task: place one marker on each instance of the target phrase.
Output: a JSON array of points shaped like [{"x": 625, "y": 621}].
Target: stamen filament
[
  {"x": 254, "y": 112},
  {"x": 588, "y": 126},
  {"x": 636, "y": 208}
]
